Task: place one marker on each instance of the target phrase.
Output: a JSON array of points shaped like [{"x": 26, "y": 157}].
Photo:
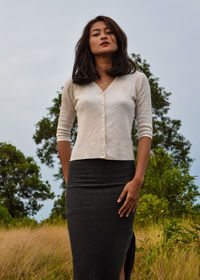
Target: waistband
[{"x": 99, "y": 172}]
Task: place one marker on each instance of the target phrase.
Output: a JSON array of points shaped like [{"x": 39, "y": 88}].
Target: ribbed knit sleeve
[
  {"x": 143, "y": 111},
  {"x": 67, "y": 113}
]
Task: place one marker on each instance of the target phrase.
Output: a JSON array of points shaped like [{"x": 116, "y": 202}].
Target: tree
[
  {"x": 58, "y": 209},
  {"x": 20, "y": 183},
  {"x": 165, "y": 131},
  {"x": 5, "y": 217},
  {"x": 165, "y": 179}
]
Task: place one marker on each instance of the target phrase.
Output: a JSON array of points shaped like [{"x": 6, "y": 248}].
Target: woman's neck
[{"x": 103, "y": 63}]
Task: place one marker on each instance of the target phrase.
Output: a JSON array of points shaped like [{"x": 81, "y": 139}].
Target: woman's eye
[{"x": 108, "y": 32}]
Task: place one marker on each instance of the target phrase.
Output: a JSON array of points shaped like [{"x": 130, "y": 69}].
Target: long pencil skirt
[{"x": 101, "y": 241}]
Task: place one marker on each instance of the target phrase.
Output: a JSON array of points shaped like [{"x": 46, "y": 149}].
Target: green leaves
[
  {"x": 151, "y": 209},
  {"x": 170, "y": 179},
  {"x": 21, "y": 187},
  {"x": 165, "y": 130},
  {"x": 175, "y": 233},
  {"x": 165, "y": 179}
]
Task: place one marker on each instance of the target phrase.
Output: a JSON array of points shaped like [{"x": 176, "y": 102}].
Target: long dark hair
[{"x": 84, "y": 70}]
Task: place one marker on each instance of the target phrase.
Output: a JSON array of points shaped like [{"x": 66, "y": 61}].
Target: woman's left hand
[{"x": 132, "y": 191}]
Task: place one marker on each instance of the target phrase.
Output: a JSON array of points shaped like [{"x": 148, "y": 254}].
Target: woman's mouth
[{"x": 104, "y": 44}]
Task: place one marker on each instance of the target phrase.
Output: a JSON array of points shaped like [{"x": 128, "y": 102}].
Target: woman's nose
[{"x": 103, "y": 37}]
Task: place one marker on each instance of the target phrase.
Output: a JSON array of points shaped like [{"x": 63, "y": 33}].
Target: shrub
[
  {"x": 5, "y": 217},
  {"x": 150, "y": 209}
]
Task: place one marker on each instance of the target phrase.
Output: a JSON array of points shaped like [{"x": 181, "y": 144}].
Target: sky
[{"x": 38, "y": 40}]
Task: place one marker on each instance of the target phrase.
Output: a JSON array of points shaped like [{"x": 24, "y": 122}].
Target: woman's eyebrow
[{"x": 97, "y": 29}]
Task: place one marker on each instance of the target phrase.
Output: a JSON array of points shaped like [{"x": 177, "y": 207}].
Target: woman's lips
[{"x": 104, "y": 44}]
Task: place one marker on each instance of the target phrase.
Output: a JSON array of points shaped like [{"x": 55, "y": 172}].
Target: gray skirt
[{"x": 101, "y": 241}]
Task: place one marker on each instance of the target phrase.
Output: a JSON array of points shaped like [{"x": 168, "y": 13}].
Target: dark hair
[{"x": 84, "y": 70}]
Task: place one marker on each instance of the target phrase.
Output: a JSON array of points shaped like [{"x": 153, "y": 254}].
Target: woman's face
[{"x": 99, "y": 33}]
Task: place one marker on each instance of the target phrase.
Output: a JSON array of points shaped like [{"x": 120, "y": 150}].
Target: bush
[
  {"x": 180, "y": 235},
  {"x": 24, "y": 222},
  {"x": 5, "y": 217},
  {"x": 53, "y": 220},
  {"x": 151, "y": 209}
]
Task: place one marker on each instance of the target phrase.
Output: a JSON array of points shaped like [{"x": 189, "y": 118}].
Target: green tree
[
  {"x": 5, "y": 217},
  {"x": 165, "y": 179},
  {"x": 165, "y": 130},
  {"x": 58, "y": 209},
  {"x": 21, "y": 187}
]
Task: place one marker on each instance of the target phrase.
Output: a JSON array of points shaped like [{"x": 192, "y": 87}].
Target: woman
[{"x": 107, "y": 93}]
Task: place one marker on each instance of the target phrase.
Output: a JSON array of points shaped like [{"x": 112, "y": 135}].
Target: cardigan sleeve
[
  {"x": 143, "y": 111},
  {"x": 67, "y": 113}
]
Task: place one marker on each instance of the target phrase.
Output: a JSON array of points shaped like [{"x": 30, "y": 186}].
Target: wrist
[
  {"x": 65, "y": 180},
  {"x": 138, "y": 180}
]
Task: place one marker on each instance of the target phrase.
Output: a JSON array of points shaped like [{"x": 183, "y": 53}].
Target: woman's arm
[
  {"x": 64, "y": 152},
  {"x": 133, "y": 187},
  {"x": 65, "y": 123},
  {"x": 144, "y": 147}
]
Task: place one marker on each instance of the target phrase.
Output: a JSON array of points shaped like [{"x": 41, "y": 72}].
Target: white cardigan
[{"x": 105, "y": 118}]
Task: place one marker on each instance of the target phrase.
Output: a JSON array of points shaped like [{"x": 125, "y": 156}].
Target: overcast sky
[{"x": 37, "y": 54}]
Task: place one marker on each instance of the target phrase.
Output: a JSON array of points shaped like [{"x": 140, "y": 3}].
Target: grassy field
[{"x": 44, "y": 253}]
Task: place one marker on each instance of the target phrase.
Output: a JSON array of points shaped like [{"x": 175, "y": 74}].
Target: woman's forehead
[{"x": 98, "y": 25}]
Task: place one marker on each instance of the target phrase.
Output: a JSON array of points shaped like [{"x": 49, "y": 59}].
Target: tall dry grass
[
  {"x": 34, "y": 254},
  {"x": 44, "y": 253}
]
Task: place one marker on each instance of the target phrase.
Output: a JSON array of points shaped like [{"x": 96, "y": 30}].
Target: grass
[
  {"x": 44, "y": 253},
  {"x": 40, "y": 253},
  {"x": 156, "y": 259}
]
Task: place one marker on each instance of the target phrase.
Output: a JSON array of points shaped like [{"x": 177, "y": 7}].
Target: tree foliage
[
  {"x": 21, "y": 187},
  {"x": 5, "y": 217},
  {"x": 58, "y": 209},
  {"x": 165, "y": 132},
  {"x": 167, "y": 180},
  {"x": 150, "y": 209}
]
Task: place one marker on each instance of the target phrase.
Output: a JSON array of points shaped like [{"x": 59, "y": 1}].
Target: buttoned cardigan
[{"x": 105, "y": 118}]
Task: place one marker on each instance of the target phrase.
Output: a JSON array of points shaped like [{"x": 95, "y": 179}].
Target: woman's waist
[{"x": 97, "y": 171}]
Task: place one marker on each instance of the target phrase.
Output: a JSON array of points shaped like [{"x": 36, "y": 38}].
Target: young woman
[{"x": 103, "y": 183}]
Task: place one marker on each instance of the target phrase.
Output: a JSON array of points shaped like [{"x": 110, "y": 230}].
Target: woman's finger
[
  {"x": 127, "y": 204},
  {"x": 124, "y": 191},
  {"x": 129, "y": 211},
  {"x": 135, "y": 205}
]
